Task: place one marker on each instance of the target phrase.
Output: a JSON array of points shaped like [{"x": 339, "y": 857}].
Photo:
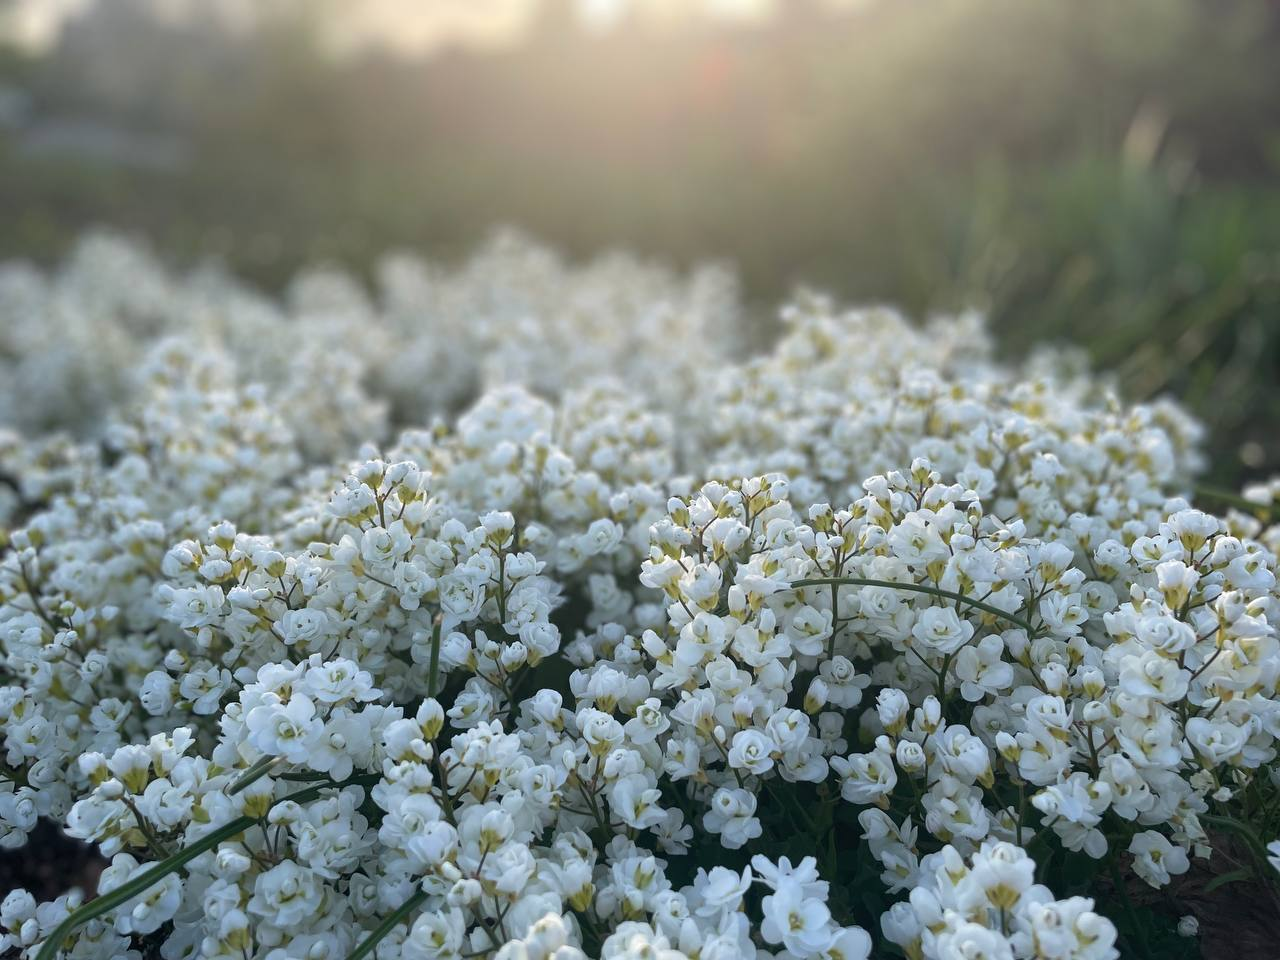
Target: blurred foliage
[{"x": 1092, "y": 172}]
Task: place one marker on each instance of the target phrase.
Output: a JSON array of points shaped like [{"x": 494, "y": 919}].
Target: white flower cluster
[
  {"x": 641, "y": 667},
  {"x": 332, "y": 361}
]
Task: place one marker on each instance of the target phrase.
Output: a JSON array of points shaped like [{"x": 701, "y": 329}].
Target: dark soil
[
  {"x": 50, "y": 864},
  {"x": 1238, "y": 920}
]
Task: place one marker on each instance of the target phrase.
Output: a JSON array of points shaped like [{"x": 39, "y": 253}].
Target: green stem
[
  {"x": 393, "y": 920},
  {"x": 158, "y": 849},
  {"x": 917, "y": 588},
  {"x": 942, "y": 680},
  {"x": 433, "y": 670}
]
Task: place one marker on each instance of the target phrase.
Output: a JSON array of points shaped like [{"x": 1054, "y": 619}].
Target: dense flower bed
[{"x": 865, "y": 645}]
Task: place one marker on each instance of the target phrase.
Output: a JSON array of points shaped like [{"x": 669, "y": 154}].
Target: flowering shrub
[{"x": 866, "y": 645}]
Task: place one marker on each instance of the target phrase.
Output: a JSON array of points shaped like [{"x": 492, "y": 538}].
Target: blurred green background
[{"x": 1099, "y": 173}]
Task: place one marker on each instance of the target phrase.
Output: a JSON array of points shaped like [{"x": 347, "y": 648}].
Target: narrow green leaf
[
  {"x": 1231, "y": 499},
  {"x": 1243, "y": 829},
  {"x": 917, "y": 588},
  {"x": 310, "y": 793},
  {"x": 1235, "y": 876},
  {"x": 433, "y": 670},
  {"x": 131, "y": 888},
  {"x": 252, "y": 775},
  {"x": 397, "y": 916}
]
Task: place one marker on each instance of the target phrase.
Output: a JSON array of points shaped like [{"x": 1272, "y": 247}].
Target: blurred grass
[{"x": 1097, "y": 173}]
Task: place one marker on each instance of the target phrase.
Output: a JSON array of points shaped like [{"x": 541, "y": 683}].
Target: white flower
[
  {"x": 344, "y": 740},
  {"x": 752, "y": 751},
  {"x": 970, "y": 941},
  {"x": 917, "y": 542},
  {"x": 149, "y": 910},
  {"x": 801, "y": 924},
  {"x": 636, "y": 801},
  {"x": 864, "y": 778},
  {"x": 380, "y": 547},
  {"x": 462, "y": 594},
  {"x": 600, "y": 731},
  {"x": 941, "y": 629},
  {"x": 286, "y": 895},
  {"x": 1155, "y": 859},
  {"x": 157, "y": 692},
  {"x": 732, "y": 815},
  {"x": 602, "y": 537},
  {"x": 195, "y": 607},
  {"x": 287, "y": 730},
  {"x": 306, "y": 626},
  {"x": 337, "y": 681},
  {"x": 650, "y": 721},
  {"x": 721, "y": 889},
  {"x": 850, "y": 943}
]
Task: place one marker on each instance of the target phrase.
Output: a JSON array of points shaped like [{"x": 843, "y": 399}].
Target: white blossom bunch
[
  {"x": 334, "y": 359},
  {"x": 866, "y": 646}
]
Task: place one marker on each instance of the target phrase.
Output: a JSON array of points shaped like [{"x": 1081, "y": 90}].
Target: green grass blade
[
  {"x": 131, "y": 888},
  {"x": 433, "y": 671},
  {"x": 1263, "y": 511},
  {"x": 370, "y": 942},
  {"x": 252, "y": 775},
  {"x": 1235, "y": 876},
  {"x": 918, "y": 588}
]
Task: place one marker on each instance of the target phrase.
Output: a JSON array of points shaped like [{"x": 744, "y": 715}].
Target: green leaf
[
  {"x": 396, "y": 917},
  {"x": 917, "y": 588},
  {"x": 1262, "y": 511},
  {"x": 1237, "y": 827},
  {"x": 252, "y": 775},
  {"x": 433, "y": 669},
  {"x": 139, "y": 884},
  {"x": 131, "y": 888},
  {"x": 1235, "y": 876}
]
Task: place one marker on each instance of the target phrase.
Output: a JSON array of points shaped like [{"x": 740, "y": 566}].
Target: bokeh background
[{"x": 1103, "y": 174}]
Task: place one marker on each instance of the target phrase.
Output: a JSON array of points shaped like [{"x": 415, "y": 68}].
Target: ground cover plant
[{"x": 513, "y": 612}]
